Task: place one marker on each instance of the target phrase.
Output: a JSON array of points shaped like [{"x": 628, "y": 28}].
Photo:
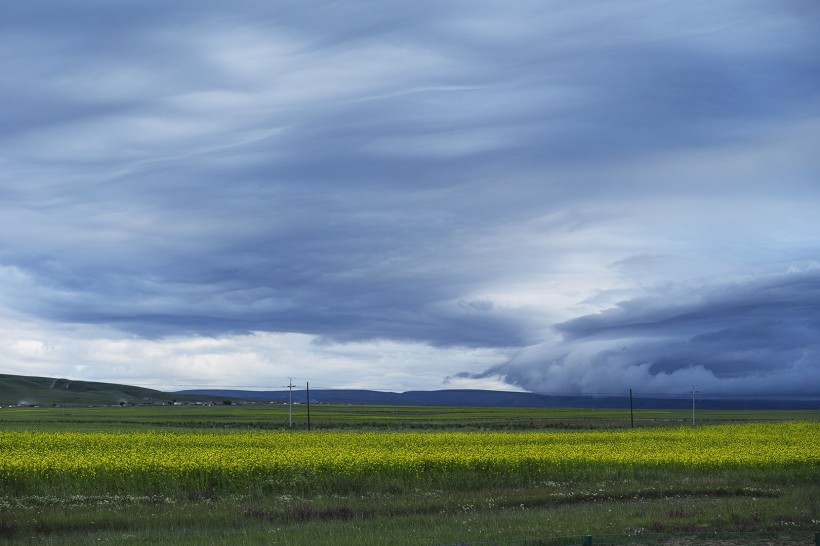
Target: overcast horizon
[{"x": 546, "y": 196}]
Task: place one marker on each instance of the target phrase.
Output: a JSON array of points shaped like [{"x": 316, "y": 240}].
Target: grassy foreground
[{"x": 144, "y": 481}]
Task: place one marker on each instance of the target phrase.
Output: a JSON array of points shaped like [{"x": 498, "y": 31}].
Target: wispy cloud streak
[{"x": 590, "y": 194}]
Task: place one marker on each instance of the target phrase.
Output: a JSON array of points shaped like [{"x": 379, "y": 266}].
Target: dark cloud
[
  {"x": 788, "y": 298},
  {"x": 759, "y": 336},
  {"x": 242, "y": 259}
]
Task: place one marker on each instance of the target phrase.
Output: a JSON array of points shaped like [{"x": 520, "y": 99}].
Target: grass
[
  {"x": 366, "y": 417},
  {"x": 429, "y": 517},
  {"x": 48, "y": 391},
  {"x": 775, "y": 499}
]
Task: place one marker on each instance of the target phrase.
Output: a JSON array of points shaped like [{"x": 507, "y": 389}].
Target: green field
[
  {"x": 402, "y": 475},
  {"x": 323, "y": 416}
]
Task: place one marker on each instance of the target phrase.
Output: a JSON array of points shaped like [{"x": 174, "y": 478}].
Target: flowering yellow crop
[{"x": 281, "y": 460}]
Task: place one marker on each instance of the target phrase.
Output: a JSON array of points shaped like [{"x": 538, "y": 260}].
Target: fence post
[{"x": 587, "y": 540}]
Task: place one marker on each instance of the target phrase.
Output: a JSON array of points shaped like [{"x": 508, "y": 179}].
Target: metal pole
[
  {"x": 693, "y": 404},
  {"x": 631, "y": 416},
  {"x": 290, "y": 402},
  {"x": 307, "y": 387}
]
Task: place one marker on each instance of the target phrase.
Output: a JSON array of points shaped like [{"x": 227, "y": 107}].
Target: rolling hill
[{"x": 48, "y": 391}]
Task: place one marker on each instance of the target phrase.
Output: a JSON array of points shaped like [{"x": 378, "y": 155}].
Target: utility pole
[
  {"x": 693, "y": 404},
  {"x": 290, "y": 402},
  {"x": 307, "y": 391},
  {"x": 631, "y": 416}
]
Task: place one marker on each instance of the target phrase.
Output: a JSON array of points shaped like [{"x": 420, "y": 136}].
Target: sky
[{"x": 537, "y": 195}]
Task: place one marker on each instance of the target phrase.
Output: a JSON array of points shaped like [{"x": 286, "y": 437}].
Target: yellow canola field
[{"x": 141, "y": 460}]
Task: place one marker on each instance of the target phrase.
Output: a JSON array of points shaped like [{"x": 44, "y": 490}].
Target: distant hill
[
  {"x": 47, "y": 391},
  {"x": 485, "y": 398}
]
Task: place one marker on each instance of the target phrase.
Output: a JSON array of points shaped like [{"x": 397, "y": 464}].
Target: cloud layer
[
  {"x": 758, "y": 336},
  {"x": 576, "y": 194}
]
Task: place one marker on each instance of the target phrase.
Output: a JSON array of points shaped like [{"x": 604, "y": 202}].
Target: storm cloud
[
  {"x": 549, "y": 196},
  {"x": 759, "y": 336}
]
